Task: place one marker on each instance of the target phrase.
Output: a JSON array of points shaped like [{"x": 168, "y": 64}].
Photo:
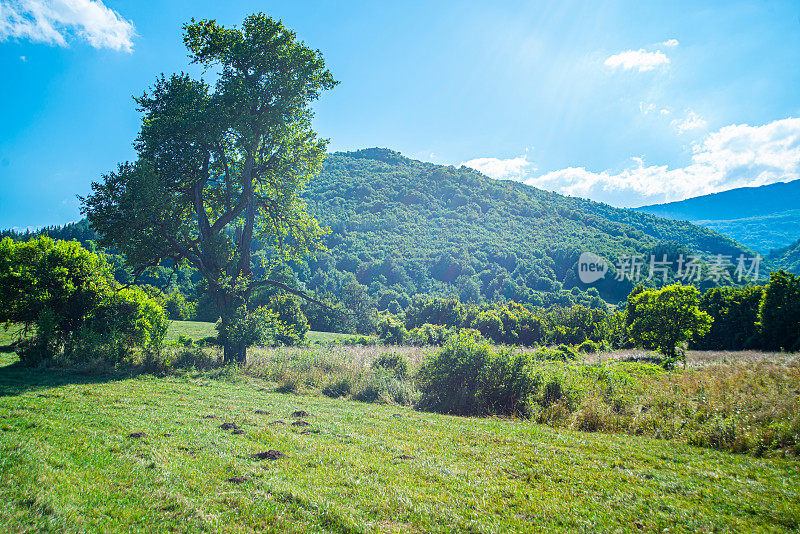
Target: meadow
[
  {"x": 205, "y": 447},
  {"x": 199, "y": 329}
]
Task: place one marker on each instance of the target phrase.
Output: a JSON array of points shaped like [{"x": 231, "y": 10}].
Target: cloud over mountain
[{"x": 738, "y": 155}]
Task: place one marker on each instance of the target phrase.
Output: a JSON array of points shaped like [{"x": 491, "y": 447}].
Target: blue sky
[{"x": 626, "y": 102}]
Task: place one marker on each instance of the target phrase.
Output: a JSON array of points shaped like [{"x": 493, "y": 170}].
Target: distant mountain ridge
[
  {"x": 739, "y": 203},
  {"x": 763, "y": 218}
]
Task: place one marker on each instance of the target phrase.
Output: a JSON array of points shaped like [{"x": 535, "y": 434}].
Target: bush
[
  {"x": 259, "y": 327},
  {"x": 396, "y": 363},
  {"x": 429, "y": 334},
  {"x": 70, "y": 296},
  {"x": 289, "y": 314},
  {"x": 177, "y": 307},
  {"x": 589, "y": 347},
  {"x": 467, "y": 377},
  {"x": 185, "y": 340},
  {"x": 382, "y": 385},
  {"x": 562, "y": 353},
  {"x": 391, "y": 331},
  {"x": 340, "y": 387}
]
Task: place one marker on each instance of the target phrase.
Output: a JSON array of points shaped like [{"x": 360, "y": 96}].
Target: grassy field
[
  {"x": 147, "y": 454},
  {"x": 198, "y": 330}
]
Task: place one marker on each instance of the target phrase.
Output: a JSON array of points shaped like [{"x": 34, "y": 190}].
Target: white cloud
[
  {"x": 23, "y": 59},
  {"x": 646, "y": 109},
  {"x": 672, "y": 43},
  {"x": 734, "y": 156},
  {"x": 55, "y": 21},
  {"x": 692, "y": 121},
  {"x": 642, "y": 60},
  {"x": 503, "y": 169}
]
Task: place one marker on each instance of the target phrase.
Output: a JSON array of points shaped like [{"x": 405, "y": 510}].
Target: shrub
[
  {"x": 185, "y": 340},
  {"x": 589, "y": 347},
  {"x": 259, "y": 327},
  {"x": 289, "y": 314},
  {"x": 207, "y": 341},
  {"x": 70, "y": 296},
  {"x": 562, "y": 353},
  {"x": 468, "y": 377},
  {"x": 177, "y": 307},
  {"x": 382, "y": 385},
  {"x": 391, "y": 331},
  {"x": 429, "y": 334},
  {"x": 506, "y": 385},
  {"x": 396, "y": 363},
  {"x": 340, "y": 387}
]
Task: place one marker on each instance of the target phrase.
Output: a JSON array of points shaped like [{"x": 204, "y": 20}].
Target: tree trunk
[{"x": 233, "y": 351}]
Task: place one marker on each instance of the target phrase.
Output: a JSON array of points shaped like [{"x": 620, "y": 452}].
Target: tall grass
[{"x": 745, "y": 402}]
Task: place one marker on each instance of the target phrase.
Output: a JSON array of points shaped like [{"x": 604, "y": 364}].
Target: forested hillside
[
  {"x": 411, "y": 227},
  {"x": 788, "y": 258}
]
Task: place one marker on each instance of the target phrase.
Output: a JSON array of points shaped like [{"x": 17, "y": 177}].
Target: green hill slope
[
  {"x": 788, "y": 258},
  {"x": 402, "y": 227},
  {"x": 416, "y": 227}
]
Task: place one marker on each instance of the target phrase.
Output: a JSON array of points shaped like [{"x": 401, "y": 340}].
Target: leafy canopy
[
  {"x": 219, "y": 171},
  {"x": 667, "y": 318}
]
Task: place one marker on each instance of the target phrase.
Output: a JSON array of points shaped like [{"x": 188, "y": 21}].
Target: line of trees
[{"x": 668, "y": 320}]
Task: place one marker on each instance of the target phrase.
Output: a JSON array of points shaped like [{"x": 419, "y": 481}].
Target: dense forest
[{"x": 788, "y": 257}]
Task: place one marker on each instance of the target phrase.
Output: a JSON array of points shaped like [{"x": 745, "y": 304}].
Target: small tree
[
  {"x": 667, "y": 319},
  {"x": 69, "y": 295},
  {"x": 219, "y": 171}
]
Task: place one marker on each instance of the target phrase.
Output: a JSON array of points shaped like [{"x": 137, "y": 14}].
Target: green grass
[
  {"x": 68, "y": 463},
  {"x": 198, "y": 330}
]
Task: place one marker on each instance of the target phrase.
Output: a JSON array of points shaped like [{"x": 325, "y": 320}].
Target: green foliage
[
  {"x": 221, "y": 170},
  {"x": 70, "y": 297},
  {"x": 468, "y": 377},
  {"x": 288, "y": 312},
  {"x": 779, "y": 312},
  {"x": 788, "y": 258},
  {"x": 59, "y": 275},
  {"x": 391, "y": 331},
  {"x": 667, "y": 319},
  {"x": 502, "y": 241},
  {"x": 178, "y": 308},
  {"x": 434, "y": 310},
  {"x": 562, "y": 353},
  {"x": 340, "y": 387},
  {"x": 589, "y": 347},
  {"x": 735, "y": 314},
  {"x": 430, "y": 334},
  {"x": 259, "y": 327},
  {"x": 394, "y": 362}
]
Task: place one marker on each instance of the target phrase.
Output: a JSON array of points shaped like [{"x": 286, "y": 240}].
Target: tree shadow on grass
[{"x": 16, "y": 378}]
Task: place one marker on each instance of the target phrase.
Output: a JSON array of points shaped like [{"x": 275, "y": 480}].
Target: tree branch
[{"x": 301, "y": 294}]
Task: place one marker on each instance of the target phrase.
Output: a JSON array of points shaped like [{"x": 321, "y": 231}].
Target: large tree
[{"x": 219, "y": 170}]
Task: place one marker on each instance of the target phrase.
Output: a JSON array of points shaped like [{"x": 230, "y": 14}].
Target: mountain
[
  {"x": 409, "y": 227},
  {"x": 787, "y": 258},
  {"x": 401, "y": 227},
  {"x": 763, "y": 218}
]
